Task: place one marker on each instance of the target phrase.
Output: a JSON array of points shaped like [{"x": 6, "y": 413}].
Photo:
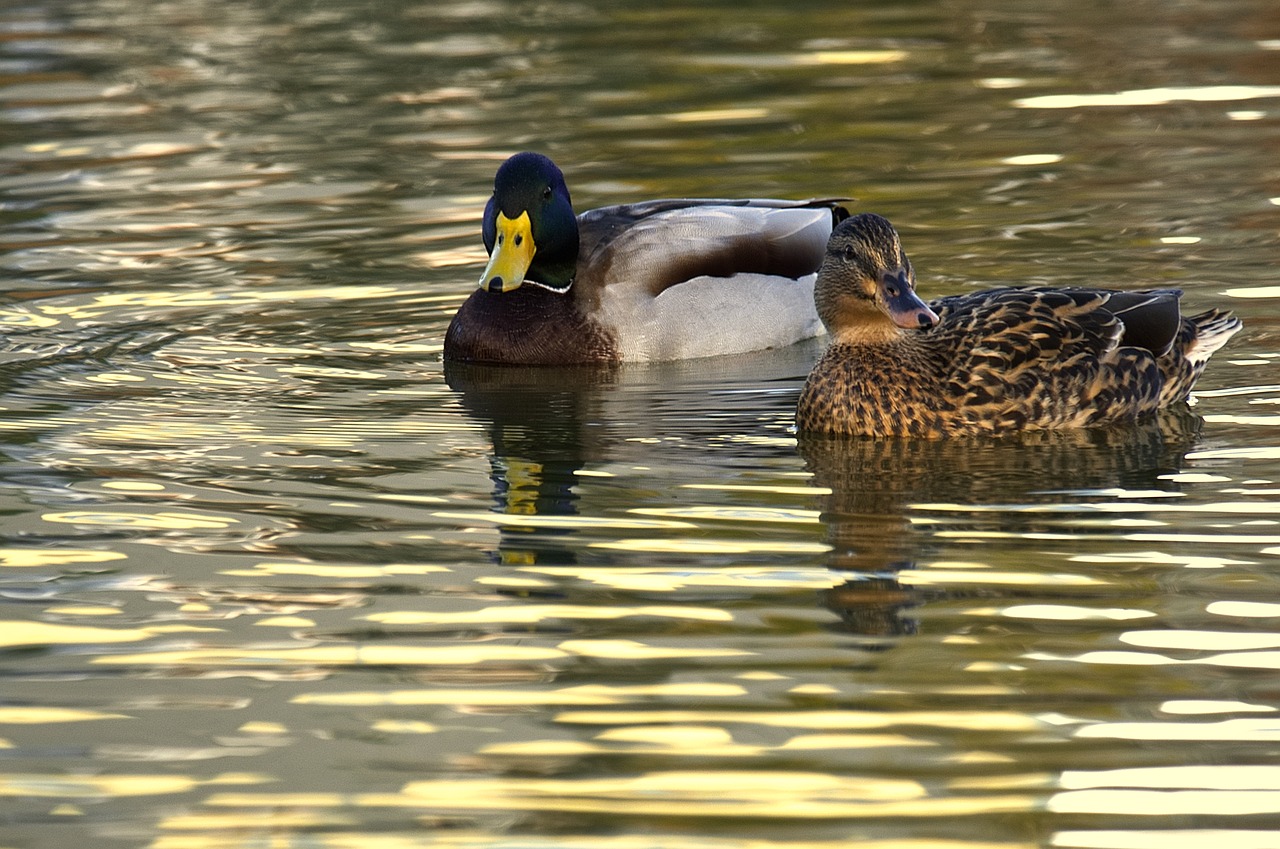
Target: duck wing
[
  {"x": 1031, "y": 322},
  {"x": 1152, "y": 318},
  {"x": 1054, "y": 357},
  {"x": 654, "y": 245}
]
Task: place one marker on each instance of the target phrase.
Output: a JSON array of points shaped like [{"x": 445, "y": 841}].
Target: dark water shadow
[{"x": 874, "y": 484}]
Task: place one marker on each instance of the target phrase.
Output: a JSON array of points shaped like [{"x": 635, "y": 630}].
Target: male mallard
[
  {"x": 989, "y": 362},
  {"x": 643, "y": 281}
]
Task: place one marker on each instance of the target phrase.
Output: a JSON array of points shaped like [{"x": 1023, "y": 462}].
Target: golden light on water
[
  {"x": 720, "y": 793},
  {"x": 826, "y": 720},
  {"x": 651, "y": 579},
  {"x": 224, "y": 824},
  {"x": 1150, "y": 97},
  {"x": 1167, "y": 838},
  {"x": 335, "y": 570},
  {"x": 582, "y": 694},
  {"x": 710, "y": 546},
  {"x": 567, "y": 522},
  {"x": 43, "y": 715},
  {"x": 734, "y": 514},
  {"x": 33, "y": 558},
  {"x": 531, "y": 614},
  {"x": 28, "y": 633}
]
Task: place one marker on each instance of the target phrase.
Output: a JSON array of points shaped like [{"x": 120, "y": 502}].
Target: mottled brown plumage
[{"x": 996, "y": 361}]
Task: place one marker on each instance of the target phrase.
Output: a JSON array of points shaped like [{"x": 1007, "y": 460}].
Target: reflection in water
[
  {"x": 551, "y": 429},
  {"x": 877, "y": 487},
  {"x": 539, "y": 422}
]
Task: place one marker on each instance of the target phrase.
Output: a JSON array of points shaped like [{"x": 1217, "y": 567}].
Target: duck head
[
  {"x": 529, "y": 227},
  {"x": 865, "y": 285}
]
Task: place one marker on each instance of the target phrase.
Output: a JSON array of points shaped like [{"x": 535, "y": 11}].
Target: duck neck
[
  {"x": 558, "y": 288},
  {"x": 876, "y": 333},
  {"x": 555, "y": 265}
]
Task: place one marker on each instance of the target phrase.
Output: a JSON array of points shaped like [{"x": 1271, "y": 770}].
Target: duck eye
[
  {"x": 849, "y": 253},
  {"x": 546, "y": 193}
]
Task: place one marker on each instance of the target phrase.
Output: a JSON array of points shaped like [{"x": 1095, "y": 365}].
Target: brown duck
[{"x": 995, "y": 361}]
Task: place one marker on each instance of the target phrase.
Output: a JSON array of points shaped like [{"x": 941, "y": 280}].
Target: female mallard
[
  {"x": 644, "y": 281},
  {"x": 989, "y": 362}
]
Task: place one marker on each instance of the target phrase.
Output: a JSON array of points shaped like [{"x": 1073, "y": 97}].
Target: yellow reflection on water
[
  {"x": 534, "y": 613},
  {"x": 683, "y": 740},
  {"x": 1245, "y": 729},
  {"x": 722, "y": 793},
  {"x": 404, "y": 726},
  {"x": 802, "y": 59},
  {"x": 228, "y": 838},
  {"x": 1210, "y": 706},
  {"x": 710, "y": 546},
  {"x": 734, "y": 514},
  {"x": 1189, "y": 561},
  {"x": 108, "y": 786},
  {"x": 633, "y": 650},
  {"x": 24, "y": 318},
  {"x": 1150, "y": 96},
  {"x": 49, "y": 715},
  {"x": 696, "y": 740},
  {"x": 584, "y": 694},
  {"x": 701, "y": 116},
  {"x": 39, "y": 557},
  {"x": 321, "y": 570},
  {"x": 674, "y": 579},
  {"x": 373, "y": 655},
  {"x": 25, "y": 632},
  {"x": 1180, "y": 803},
  {"x": 163, "y": 521},
  {"x": 1071, "y": 613},
  {"x": 828, "y": 742},
  {"x": 839, "y": 720},
  {"x": 774, "y": 490},
  {"x": 930, "y": 576},
  {"x": 1161, "y": 838},
  {"x": 568, "y": 522},
  {"x": 1201, "y": 640},
  {"x": 286, "y": 622},
  {"x": 1207, "y": 777},
  {"x": 1245, "y": 609}
]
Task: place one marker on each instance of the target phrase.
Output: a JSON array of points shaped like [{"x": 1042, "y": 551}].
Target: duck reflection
[
  {"x": 538, "y": 422},
  {"x": 873, "y": 484},
  {"x": 550, "y": 425}
]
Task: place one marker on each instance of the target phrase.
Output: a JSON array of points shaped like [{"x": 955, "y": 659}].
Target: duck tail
[
  {"x": 1200, "y": 336},
  {"x": 1212, "y": 330}
]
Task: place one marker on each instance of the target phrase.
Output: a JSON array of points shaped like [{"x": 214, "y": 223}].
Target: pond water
[{"x": 273, "y": 575}]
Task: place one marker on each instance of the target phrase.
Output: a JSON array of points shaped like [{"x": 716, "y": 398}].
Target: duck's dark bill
[
  {"x": 512, "y": 254},
  {"x": 903, "y": 305}
]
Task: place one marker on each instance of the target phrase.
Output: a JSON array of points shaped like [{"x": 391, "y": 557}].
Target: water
[{"x": 273, "y": 575}]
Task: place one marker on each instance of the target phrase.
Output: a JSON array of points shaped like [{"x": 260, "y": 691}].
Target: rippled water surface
[{"x": 273, "y": 575}]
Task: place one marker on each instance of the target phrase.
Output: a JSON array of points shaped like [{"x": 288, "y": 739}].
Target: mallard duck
[
  {"x": 995, "y": 361},
  {"x": 656, "y": 280}
]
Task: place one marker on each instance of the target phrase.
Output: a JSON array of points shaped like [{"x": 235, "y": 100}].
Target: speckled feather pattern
[{"x": 1005, "y": 360}]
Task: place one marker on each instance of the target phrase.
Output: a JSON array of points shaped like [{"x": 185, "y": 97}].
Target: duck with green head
[
  {"x": 648, "y": 281},
  {"x": 994, "y": 361}
]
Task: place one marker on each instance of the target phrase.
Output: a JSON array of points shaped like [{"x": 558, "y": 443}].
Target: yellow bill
[{"x": 512, "y": 254}]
